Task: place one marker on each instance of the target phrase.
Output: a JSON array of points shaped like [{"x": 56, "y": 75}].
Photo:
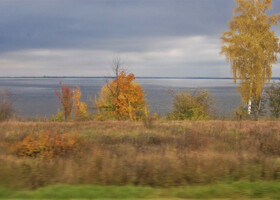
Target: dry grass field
[{"x": 166, "y": 154}]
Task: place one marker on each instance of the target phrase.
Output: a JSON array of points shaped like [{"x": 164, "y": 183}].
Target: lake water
[{"x": 35, "y": 97}]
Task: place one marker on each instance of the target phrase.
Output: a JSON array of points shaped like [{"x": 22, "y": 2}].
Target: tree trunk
[
  {"x": 259, "y": 109},
  {"x": 250, "y": 100},
  {"x": 249, "y": 106}
]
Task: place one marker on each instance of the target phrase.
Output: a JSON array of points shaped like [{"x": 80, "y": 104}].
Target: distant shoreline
[{"x": 102, "y": 77}]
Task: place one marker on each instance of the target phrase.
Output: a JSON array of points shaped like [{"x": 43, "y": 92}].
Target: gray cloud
[
  {"x": 69, "y": 23},
  {"x": 165, "y": 56},
  {"x": 75, "y": 37}
]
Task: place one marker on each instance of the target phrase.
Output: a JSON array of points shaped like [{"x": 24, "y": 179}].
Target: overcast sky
[{"x": 82, "y": 37}]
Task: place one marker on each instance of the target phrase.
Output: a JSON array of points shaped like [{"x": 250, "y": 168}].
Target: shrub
[
  {"x": 80, "y": 108},
  {"x": 191, "y": 105},
  {"x": 49, "y": 145},
  {"x": 241, "y": 113},
  {"x": 6, "y": 105},
  {"x": 59, "y": 117},
  {"x": 148, "y": 122},
  {"x": 66, "y": 99},
  {"x": 122, "y": 99},
  {"x": 258, "y": 107},
  {"x": 273, "y": 94}
]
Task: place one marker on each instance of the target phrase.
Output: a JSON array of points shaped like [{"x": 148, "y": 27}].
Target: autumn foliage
[
  {"x": 80, "y": 108},
  {"x": 251, "y": 47},
  {"x": 49, "y": 145},
  {"x": 122, "y": 99},
  {"x": 189, "y": 105},
  {"x": 66, "y": 99}
]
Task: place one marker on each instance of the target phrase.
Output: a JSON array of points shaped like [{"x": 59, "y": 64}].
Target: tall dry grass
[{"x": 168, "y": 154}]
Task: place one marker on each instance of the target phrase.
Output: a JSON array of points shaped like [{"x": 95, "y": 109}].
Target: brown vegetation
[
  {"x": 169, "y": 154},
  {"x": 65, "y": 97},
  {"x": 6, "y": 105},
  {"x": 49, "y": 145}
]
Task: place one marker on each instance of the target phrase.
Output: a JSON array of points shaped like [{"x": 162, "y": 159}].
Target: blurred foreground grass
[
  {"x": 190, "y": 159},
  {"x": 237, "y": 190}
]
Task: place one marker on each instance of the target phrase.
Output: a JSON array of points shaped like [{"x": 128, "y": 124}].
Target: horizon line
[{"x": 137, "y": 77}]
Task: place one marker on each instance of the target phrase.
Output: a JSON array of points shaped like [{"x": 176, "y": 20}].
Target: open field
[{"x": 226, "y": 154}]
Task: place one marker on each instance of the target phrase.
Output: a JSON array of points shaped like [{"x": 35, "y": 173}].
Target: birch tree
[{"x": 251, "y": 46}]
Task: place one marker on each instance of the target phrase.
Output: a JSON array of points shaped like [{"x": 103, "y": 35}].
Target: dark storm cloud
[{"x": 69, "y": 24}]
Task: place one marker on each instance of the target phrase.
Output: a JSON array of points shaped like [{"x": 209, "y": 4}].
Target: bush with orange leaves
[
  {"x": 66, "y": 99},
  {"x": 80, "y": 108},
  {"x": 49, "y": 145},
  {"x": 122, "y": 99}
]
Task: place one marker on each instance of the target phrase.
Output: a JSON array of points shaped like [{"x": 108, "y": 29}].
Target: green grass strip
[{"x": 237, "y": 190}]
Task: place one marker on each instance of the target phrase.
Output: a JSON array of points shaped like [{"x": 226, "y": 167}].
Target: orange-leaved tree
[
  {"x": 122, "y": 99},
  {"x": 80, "y": 108},
  {"x": 66, "y": 99}
]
